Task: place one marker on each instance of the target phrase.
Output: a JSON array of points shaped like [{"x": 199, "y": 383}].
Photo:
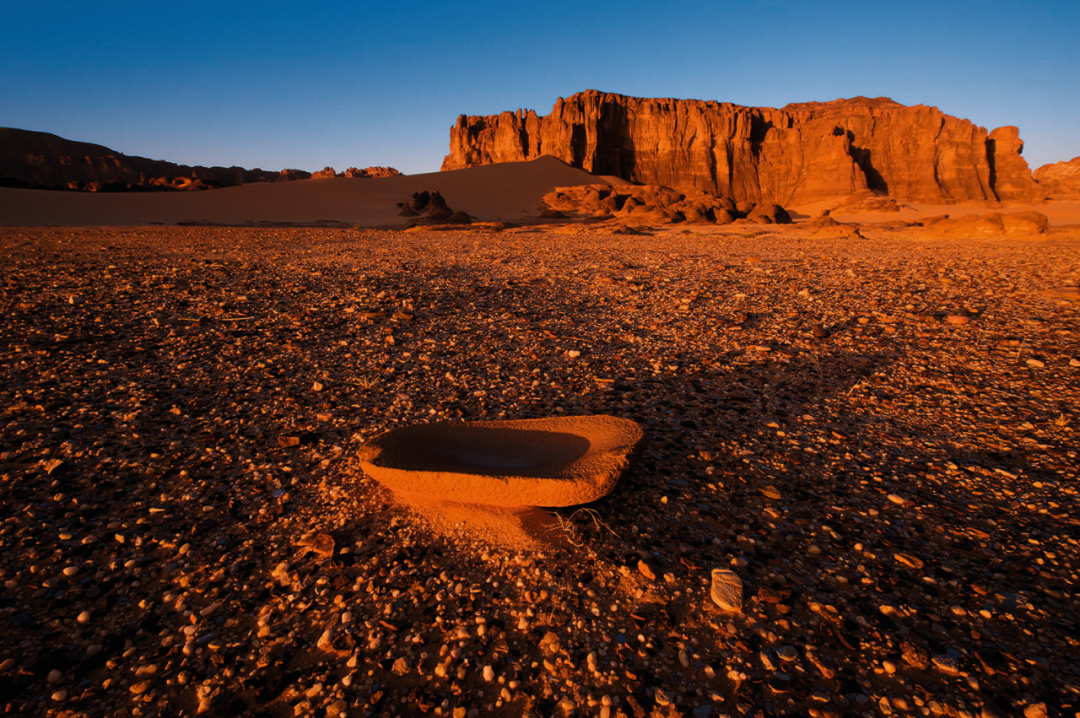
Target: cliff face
[
  {"x": 797, "y": 154},
  {"x": 39, "y": 159}
]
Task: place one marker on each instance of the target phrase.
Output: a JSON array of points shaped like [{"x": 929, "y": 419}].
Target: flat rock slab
[
  {"x": 560, "y": 461},
  {"x": 726, "y": 590}
]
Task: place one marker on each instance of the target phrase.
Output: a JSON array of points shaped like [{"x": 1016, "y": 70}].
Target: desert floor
[{"x": 185, "y": 528}]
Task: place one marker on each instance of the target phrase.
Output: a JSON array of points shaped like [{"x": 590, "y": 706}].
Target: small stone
[
  {"x": 489, "y": 674},
  {"x": 84, "y": 617},
  {"x": 787, "y": 653},
  {"x": 662, "y": 698},
  {"x": 54, "y": 676},
  {"x": 771, "y": 492},
  {"x": 646, "y": 571},
  {"x": 140, "y": 687},
  {"x": 1036, "y": 710},
  {"x": 914, "y": 655},
  {"x": 1035, "y": 363},
  {"x": 7, "y": 665},
  {"x": 286, "y": 442},
  {"x": 957, "y": 319},
  {"x": 337, "y": 708},
  {"x": 897, "y": 499},
  {"x": 889, "y": 667},
  {"x": 573, "y": 353},
  {"x": 946, "y": 664},
  {"x": 909, "y": 560},
  {"x": 317, "y": 386},
  {"x": 767, "y": 660},
  {"x": 60, "y": 695},
  {"x": 727, "y": 590},
  {"x": 819, "y": 331},
  {"x": 401, "y": 667}
]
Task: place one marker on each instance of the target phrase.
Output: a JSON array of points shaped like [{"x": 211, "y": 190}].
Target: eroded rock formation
[
  {"x": 653, "y": 204},
  {"x": 798, "y": 154},
  {"x": 1060, "y": 177}
]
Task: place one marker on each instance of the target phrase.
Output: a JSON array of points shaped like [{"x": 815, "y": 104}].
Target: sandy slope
[{"x": 506, "y": 191}]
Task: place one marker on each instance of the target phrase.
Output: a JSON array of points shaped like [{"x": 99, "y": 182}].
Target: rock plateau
[{"x": 800, "y": 153}]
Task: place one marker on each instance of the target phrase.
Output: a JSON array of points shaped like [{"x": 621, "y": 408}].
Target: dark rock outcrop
[
  {"x": 657, "y": 205},
  {"x": 798, "y": 154},
  {"x": 42, "y": 160},
  {"x": 430, "y": 208}
]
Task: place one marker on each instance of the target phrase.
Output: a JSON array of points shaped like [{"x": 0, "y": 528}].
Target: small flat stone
[
  {"x": 727, "y": 590},
  {"x": 946, "y": 664},
  {"x": 909, "y": 560},
  {"x": 644, "y": 569},
  {"x": 957, "y": 319}
]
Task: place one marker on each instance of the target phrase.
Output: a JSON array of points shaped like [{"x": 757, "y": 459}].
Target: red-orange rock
[
  {"x": 1009, "y": 172},
  {"x": 372, "y": 172},
  {"x": 798, "y": 154},
  {"x": 1060, "y": 177}
]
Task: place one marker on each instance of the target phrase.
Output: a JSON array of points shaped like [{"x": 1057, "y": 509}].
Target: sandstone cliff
[
  {"x": 39, "y": 159},
  {"x": 1060, "y": 177},
  {"x": 797, "y": 154}
]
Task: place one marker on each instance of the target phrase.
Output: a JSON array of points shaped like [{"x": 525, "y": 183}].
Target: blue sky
[{"x": 274, "y": 84}]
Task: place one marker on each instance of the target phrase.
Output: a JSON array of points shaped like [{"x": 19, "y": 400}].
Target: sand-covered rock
[
  {"x": 993, "y": 224},
  {"x": 560, "y": 461}
]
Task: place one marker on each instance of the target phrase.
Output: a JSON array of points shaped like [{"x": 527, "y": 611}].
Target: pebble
[
  {"x": 909, "y": 560},
  {"x": 223, "y": 488},
  {"x": 646, "y": 570},
  {"x": 60, "y": 695},
  {"x": 946, "y": 664},
  {"x": 727, "y": 590},
  {"x": 54, "y": 676},
  {"x": 957, "y": 319}
]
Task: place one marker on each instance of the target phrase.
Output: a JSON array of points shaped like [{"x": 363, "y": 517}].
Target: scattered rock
[{"x": 727, "y": 590}]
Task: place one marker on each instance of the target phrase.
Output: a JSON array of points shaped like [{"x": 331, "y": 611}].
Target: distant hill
[{"x": 42, "y": 160}]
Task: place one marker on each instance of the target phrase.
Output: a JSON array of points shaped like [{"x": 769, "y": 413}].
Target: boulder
[
  {"x": 995, "y": 224},
  {"x": 770, "y": 213},
  {"x": 552, "y": 462},
  {"x": 797, "y": 154}
]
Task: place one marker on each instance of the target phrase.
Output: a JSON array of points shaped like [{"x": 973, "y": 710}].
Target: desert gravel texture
[{"x": 875, "y": 435}]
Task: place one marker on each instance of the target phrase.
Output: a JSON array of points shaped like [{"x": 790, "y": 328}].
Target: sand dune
[{"x": 510, "y": 191}]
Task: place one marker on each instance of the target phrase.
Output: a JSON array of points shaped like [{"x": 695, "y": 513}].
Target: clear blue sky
[{"x": 304, "y": 85}]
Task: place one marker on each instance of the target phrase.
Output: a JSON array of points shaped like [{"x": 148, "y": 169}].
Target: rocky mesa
[{"x": 797, "y": 154}]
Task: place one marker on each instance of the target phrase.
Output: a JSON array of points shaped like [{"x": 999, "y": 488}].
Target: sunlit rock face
[
  {"x": 798, "y": 154},
  {"x": 1060, "y": 177}
]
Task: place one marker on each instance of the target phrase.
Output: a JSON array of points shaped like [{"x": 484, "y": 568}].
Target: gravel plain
[{"x": 877, "y": 434}]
